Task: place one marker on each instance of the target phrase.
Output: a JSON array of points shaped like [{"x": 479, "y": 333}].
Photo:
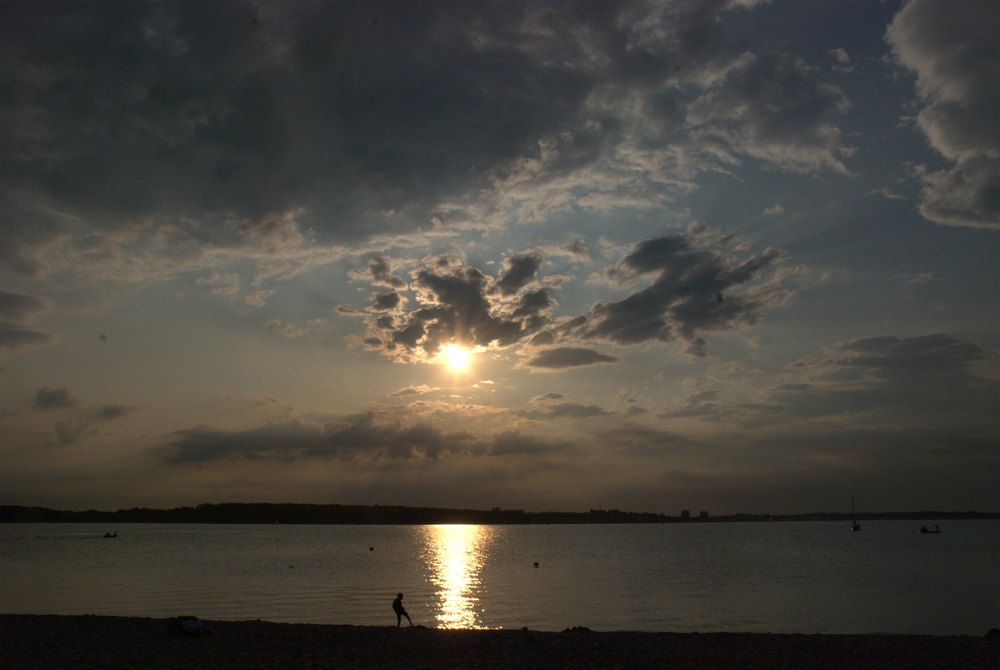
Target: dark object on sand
[{"x": 187, "y": 626}]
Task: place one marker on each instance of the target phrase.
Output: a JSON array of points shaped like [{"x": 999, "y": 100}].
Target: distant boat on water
[
  {"x": 854, "y": 523},
  {"x": 924, "y": 530}
]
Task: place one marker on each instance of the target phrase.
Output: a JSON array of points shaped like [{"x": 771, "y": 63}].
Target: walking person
[{"x": 397, "y": 607}]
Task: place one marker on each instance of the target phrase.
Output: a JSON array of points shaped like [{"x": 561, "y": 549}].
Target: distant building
[
  {"x": 703, "y": 516},
  {"x": 685, "y": 515}
]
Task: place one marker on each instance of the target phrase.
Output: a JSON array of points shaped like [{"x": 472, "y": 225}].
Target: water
[{"x": 812, "y": 577}]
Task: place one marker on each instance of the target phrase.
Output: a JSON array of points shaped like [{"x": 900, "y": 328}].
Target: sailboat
[{"x": 854, "y": 523}]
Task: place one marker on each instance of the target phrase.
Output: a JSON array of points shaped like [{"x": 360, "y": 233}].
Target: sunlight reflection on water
[{"x": 455, "y": 555}]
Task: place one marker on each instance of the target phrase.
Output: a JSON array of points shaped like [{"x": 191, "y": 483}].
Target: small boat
[
  {"x": 115, "y": 534},
  {"x": 924, "y": 530},
  {"x": 855, "y": 526}
]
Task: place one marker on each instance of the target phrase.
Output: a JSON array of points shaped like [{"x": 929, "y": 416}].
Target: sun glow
[{"x": 456, "y": 358}]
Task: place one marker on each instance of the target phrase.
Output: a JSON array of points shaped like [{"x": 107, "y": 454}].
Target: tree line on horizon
[{"x": 302, "y": 513}]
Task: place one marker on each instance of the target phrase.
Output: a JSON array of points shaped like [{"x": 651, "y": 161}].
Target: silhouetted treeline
[
  {"x": 293, "y": 513},
  {"x": 320, "y": 514}
]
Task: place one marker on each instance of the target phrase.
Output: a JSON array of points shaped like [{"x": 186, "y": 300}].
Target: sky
[{"x": 720, "y": 255}]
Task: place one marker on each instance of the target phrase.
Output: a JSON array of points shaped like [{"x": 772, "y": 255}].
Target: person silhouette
[{"x": 397, "y": 607}]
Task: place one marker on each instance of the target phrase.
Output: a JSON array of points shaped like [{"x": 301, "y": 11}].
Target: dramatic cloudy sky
[{"x": 730, "y": 255}]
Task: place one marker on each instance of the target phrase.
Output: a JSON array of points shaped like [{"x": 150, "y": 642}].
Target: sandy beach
[{"x": 42, "y": 641}]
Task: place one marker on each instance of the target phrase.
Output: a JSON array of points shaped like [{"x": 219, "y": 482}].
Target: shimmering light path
[{"x": 456, "y": 554}]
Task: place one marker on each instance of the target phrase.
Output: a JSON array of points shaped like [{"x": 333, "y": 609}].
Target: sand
[{"x": 41, "y": 641}]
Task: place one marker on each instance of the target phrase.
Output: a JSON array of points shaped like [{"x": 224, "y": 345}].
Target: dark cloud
[
  {"x": 642, "y": 440},
  {"x": 557, "y": 406},
  {"x": 561, "y": 358},
  {"x": 379, "y": 272},
  {"x": 385, "y": 302},
  {"x": 368, "y": 439},
  {"x": 112, "y": 412},
  {"x": 15, "y": 336},
  {"x": 68, "y": 432},
  {"x": 25, "y": 233},
  {"x": 695, "y": 289},
  {"x": 121, "y": 111},
  {"x": 683, "y": 299},
  {"x": 955, "y": 54},
  {"x": 457, "y": 303},
  {"x": 512, "y": 443},
  {"x": 634, "y": 410},
  {"x": 54, "y": 398},
  {"x": 19, "y": 308},
  {"x": 702, "y": 403},
  {"x": 534, "y": 304},
  {"x": 458, "y": 306},
  {"x": 521, "y": 270},
  {"x": 277, "y": 441},
  {"x": 363, "y": 439},
  {"x": 777, "y": 108},
  {"x": 897, "y": 382},
  {"x": 412, "y": 390},
  {"x": 903, "y": 359},
  {"x": 313, "y": 125}
]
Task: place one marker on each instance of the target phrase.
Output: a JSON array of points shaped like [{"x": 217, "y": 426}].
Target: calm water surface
[{"x": 781, "y": 577}]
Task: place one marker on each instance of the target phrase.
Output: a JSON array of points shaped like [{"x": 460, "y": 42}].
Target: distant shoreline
[
  {"x": 295, "y": 513},
  {"x": 49, "y": 641}
]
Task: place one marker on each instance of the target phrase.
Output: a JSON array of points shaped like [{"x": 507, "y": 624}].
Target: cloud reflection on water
[{"x": 455, "y": 555}]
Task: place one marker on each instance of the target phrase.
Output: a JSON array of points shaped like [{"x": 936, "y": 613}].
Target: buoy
[{"x": 536, "y": 564}]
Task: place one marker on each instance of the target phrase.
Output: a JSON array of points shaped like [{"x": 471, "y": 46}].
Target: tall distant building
[{"x": 685, "y": 515}]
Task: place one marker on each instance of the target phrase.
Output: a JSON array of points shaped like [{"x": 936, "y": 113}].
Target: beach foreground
[{"x": 44, "y": 641}]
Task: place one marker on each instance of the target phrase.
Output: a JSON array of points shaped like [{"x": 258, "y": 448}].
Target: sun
[{"x": 456, "y": 357}]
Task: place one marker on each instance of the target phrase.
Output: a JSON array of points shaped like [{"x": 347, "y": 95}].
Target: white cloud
[
  {"x": 886, "y": 193},
  {"x": 840, "y": 55},
  {"x": 953, "y": 49},
  {"x": 288, "y": 329},
  {"x": 222, "y": 284}
]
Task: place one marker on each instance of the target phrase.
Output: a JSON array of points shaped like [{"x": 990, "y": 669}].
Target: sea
[{"x": 781, "y": 577}]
